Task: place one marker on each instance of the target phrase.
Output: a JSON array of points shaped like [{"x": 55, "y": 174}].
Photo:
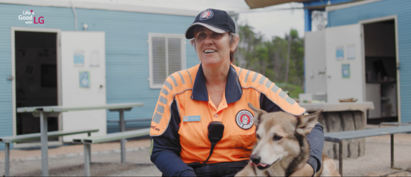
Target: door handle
[{"x": 10, "y": 78}]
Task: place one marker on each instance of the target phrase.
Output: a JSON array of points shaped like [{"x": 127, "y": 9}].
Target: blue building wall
[
  {"x": 401, "y": 8},
  {"x": 320, "y": 5},
  {"x": 126, "y": 35}
]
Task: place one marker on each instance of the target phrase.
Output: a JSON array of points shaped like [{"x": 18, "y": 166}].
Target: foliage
[
  {"x": 293, "y": 90},
  {"x": 269, "y": 57}
]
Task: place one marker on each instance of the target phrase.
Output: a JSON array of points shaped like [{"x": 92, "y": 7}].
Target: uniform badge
[
  {"x": 244, "y": 119},
  {"x": 207, "y": 14},
  {"x": 191, "y": 118}
]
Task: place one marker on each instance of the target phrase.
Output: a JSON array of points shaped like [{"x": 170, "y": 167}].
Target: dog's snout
[{"x": 255, "y": 159}]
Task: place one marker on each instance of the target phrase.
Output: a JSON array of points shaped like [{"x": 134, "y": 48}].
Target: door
[
  {"x": 34, "y": 79},
  {"x": 315, "y": 65},
  {"x": 345, "y": 65},
  {"x": 83, "y": 80}
]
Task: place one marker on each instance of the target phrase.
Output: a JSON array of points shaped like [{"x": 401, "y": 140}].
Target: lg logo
[
  {"x": 29, "y": 17},
  {"x": 40, "y": 20}
]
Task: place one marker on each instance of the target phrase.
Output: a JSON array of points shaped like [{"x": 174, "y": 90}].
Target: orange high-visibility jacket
[{"x": 195, "y": 111}]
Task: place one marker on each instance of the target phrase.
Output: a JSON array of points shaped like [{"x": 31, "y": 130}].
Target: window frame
[{"x": 150, "y": 55}]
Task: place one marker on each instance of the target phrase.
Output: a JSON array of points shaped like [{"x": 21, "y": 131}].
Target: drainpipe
[{"x": 75, "y": 14}]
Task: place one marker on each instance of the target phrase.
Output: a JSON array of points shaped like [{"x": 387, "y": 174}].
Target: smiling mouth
[
  {"x": 263, "y": 166},
  {"x": 209, "y": 51}
]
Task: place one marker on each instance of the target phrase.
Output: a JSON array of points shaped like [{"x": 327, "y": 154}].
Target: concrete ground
[{"x": 68, "y": 160}]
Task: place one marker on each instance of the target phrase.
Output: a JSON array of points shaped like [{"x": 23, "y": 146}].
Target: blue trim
[
  {"x": 200, "y": 92},
  {"x": 307, "y": 20},
  {"x": 233, "y": 89},
  {"x": 314, "y": 3}
]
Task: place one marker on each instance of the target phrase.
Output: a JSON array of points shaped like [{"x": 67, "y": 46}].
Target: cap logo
[{"x": 207, "y": 14}]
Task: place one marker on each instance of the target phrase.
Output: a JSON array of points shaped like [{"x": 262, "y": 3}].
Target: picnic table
[
  {"x": 338, "y": 137},
  {"x": 53, "y": 111}
]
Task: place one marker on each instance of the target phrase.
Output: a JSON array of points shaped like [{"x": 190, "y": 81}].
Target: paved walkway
[{"x": 68, "y": 160}]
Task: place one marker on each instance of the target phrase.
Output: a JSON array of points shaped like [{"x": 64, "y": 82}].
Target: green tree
[{"x": 270, "y": 57}]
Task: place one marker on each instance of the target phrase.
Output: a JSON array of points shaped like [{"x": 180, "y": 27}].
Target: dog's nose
[{"x": 255, "y": 159}]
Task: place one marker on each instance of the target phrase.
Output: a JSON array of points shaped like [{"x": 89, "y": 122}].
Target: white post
[
  {"x": 86, "y": 159},
  {"x": 7, "y": 160},
  {"x": 44, "y": 145},
  {"x": 122, "y": 141}
]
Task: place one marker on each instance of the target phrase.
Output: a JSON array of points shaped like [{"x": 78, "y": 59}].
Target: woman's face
[{"x": 212, "y": 48}]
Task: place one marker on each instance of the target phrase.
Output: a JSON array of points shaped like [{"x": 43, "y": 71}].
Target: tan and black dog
[{"x": 282, "y": 147}]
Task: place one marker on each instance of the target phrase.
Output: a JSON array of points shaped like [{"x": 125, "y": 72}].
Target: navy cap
[{"x": 216, "y": 20}]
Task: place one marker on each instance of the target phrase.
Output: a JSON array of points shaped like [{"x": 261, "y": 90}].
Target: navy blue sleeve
[
  {"x": 315, "y": 137},
  {"x": 316, "y": 140},
  {"x": 166, "y": 149}
]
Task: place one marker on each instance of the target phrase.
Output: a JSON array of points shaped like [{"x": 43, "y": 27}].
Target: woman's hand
[{"x": 307, "y": 170}]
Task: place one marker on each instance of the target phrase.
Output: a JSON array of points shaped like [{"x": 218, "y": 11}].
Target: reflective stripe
[
  {"x": 289, "y": 100},
  {"x": 255, "y": 76},
  {"x": 246, "y": 76},
  {"x": 275, "y": 89},
  {"x": 160, "y": 109},
  {"x": 262, "y": 79},
  {"x": 182, "y": 78},
  {"x": 282, "y": 94},
  {"x": 190, "y": 77},
  {"x": 157, "y": 117},
  {"x": 168, "y": 85},
  {"x": 164, "y": 91},
  {"x": 268, "y": 83},
  {"x": 174, "y": 80},
  {"x": 240, "y": 71},
  {"x": 163, "y": 100}
]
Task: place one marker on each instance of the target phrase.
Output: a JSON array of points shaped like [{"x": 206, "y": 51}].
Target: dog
[{"x": 282, "y": 147}]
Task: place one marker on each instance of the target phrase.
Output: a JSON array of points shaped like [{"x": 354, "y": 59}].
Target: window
[{"x": 167, "y": 55}]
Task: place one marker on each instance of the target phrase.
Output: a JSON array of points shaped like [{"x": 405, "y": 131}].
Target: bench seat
[
  {"x": 345, "y": 135},
  {"x": 107, "y": 138},
  {"x": 33, "y": 136},
  {"x": 114, "y": 136},
  {"x": 129, "y": 120}
]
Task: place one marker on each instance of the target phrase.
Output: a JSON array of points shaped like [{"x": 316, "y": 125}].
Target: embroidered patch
[
  {"x": 207, "y": 14},
  {"x": 244, "y": 119},
  {"x": 191, "y": 118}
]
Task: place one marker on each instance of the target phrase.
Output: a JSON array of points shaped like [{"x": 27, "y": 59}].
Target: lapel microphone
[{"x": 215, "y": 134}]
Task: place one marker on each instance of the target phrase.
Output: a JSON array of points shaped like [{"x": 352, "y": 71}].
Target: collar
[{"x": 233, "y": 90}]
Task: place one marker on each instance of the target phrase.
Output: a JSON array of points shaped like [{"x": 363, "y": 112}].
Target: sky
[
  {"x": 270, "y": 21},
  {"x": 276, "y": 22}
]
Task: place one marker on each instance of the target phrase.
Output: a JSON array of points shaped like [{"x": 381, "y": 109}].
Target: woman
[{"x": 216, "y": 91}]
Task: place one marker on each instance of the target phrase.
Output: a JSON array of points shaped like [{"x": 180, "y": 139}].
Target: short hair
[{"x": 232, "y": 36}]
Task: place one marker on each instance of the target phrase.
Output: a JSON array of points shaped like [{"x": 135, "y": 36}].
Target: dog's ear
[
  {"x": 257, "y": 114},
  {"x": 307, "y": 122}
]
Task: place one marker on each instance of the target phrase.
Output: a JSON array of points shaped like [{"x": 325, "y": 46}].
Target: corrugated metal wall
[
  {"x": 126, "y": 52},
  {"x": 401, "y": 8}
]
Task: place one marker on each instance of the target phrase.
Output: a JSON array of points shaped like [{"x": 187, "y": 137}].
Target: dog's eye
[
  {"x": 258, "y": 136},
  {"x": 276, "y": 138}
]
